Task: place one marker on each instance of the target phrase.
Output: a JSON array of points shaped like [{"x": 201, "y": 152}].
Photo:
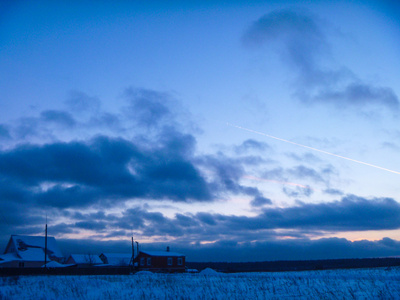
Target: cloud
[
  {"x": 27, "y": 127},
  {"x": 97, "y": 226},
  {"x": 350, "y": 214},
  {"x": 260, "y": 201},
  {"x": 106, "y": 120},
  {"x": 79, "y": 102},
  {"x": 298, "y": 180},
  {"x": 290, "y": 249},
  {"x": 267, "y": 229},
  {"x": 359, "y": 94},
  {"x": 306, "y": 173},
  {"x": 61, "y": 118},
  {"x": 251, "y": 144},
  {"x": 226, "y": 173},
  {"x": 306, "y": 157},
  {"x": 4, "y": 132},
  {"x": 237, "y": 251},
  {"x": 105, "y": 169},
  {"x": 303, "y": 46},
  {"x": 149, "y": 108},
  {"x": 333, "y": 192},
  {"x": 297, "y": 192}
]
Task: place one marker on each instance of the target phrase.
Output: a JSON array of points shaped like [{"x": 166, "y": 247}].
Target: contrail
[{"x": 311, "y": 148}]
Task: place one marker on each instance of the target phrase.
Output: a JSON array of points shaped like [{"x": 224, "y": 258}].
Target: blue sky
[{"x": 154, "y": 119}]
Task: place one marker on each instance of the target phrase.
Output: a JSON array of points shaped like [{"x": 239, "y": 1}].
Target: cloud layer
[{"x": 303, "y": 45}]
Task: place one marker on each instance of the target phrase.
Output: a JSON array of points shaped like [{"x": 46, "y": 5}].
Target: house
[
  {"x": 161, "y": 261},
  {"x": 116, "y": 259},
  {"x": 29, "y": 251},
  {"x": 84, "y": 260}
]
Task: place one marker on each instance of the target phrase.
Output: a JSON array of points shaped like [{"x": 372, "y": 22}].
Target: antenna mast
[
  {"x": 45, "y": 246},
  {"x": 133, "y": 254}
]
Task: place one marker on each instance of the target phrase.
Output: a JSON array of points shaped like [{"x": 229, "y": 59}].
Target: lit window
[
  {"x": 169, "y": 261},
  {"x": 149, "y": 261},
  {"x": 180, "y": 261}
]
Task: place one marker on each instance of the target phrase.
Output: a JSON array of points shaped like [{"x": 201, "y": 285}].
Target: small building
[
  {"x": 29, "y": 252},
  {"x": 84, "y": 260},
  {"x": 160, "y": 261},
  {"x": 116, "y": 259}
]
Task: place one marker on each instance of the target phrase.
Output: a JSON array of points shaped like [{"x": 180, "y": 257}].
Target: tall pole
[
  {"x": 133, "y": 250},
  {"x": 133, "y": 253},
  {"x": 45, "y": 248}
]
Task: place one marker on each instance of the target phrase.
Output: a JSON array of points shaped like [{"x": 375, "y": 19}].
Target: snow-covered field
[{"x": 329, "y": 284}]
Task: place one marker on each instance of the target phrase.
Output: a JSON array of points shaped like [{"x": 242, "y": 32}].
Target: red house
[{"x": 160, "y": 261}]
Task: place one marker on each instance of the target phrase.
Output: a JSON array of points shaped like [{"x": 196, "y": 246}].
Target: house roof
[
  {"x": 25, "y": 243},
  {"x": 86, "y": 259},
  {"x": 54, "y": 264},
  {"x": 33, "y": 254},
  {"x": 162, "y": 253},
  {"x": 8, "y": 257}
]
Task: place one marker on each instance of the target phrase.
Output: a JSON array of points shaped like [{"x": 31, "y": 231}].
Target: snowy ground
[{"x": 330, "y": 284}]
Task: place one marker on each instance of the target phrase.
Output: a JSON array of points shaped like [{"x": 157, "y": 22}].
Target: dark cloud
[
  {"x": 227, "y": 173},
  {"x": 260, "y": 201},
  {"x": 240, "y": 232},
  {"x": 300, "y": 32},
  {"x": 27, "y": 127},
  {"x": 350, "y": 214},
  {"x": 83, "y": 173},
  {"x": 149, "y": 108},
  {"x": 251, "y": 144},
  {"x": 391, "y": 146},
  {"x": 61, "y": 229},
  {"x": 299, "y": 174},
  {"x": 59, "y": 117},
  {"x": 290, "y": 249},
  {"x": 359, "y": 94},
  {"x": 306, "y": 157},
  {"x": 237, "y": 251},
  {"x": 4, "y": 132},
  {"x": 79, "y": 102},
  {"x": 297, "y": 191},
  {"x": 334, "y": 192},
  {"x": 303, "y": 46},
  {"x": 276, "y": 173},
  {"x": 106, "y": 120},
  {"x": 303, "y": 172},
  {"x": 97, "y": 226}
]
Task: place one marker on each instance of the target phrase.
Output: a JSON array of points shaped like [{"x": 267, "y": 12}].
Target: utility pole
[
  {"x": 133, "y": 249},
  {"x": 133, "y": 254},
  {"x": 45, "y": 247}
]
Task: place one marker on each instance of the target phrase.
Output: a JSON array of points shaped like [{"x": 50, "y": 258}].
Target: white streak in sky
[{"x": 314, "y": 149}]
